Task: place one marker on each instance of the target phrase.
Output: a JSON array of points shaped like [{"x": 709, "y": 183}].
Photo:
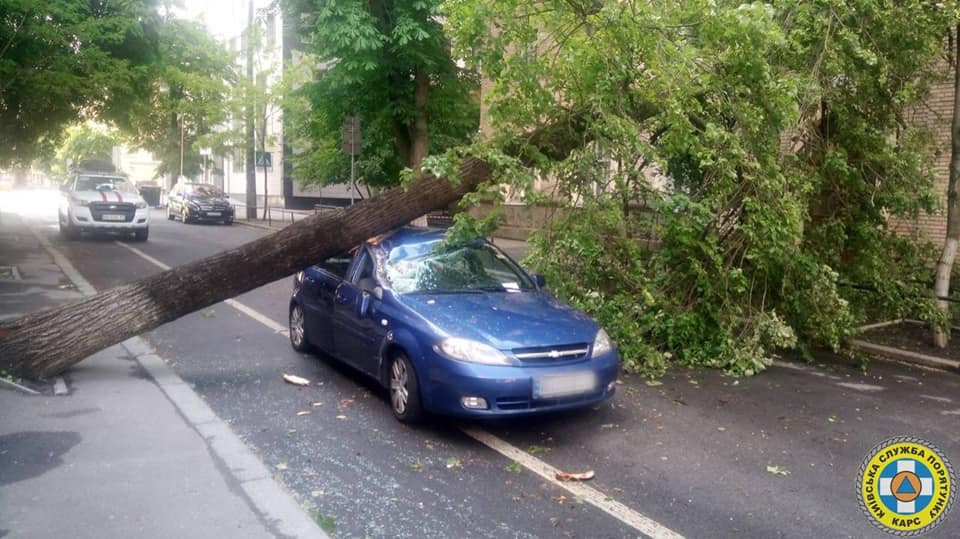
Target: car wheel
[
  {"x": 142, "y": 235},
  {"x": 170, "y": 215},
  {"x": 404, "y": 391},
  {"x": 184, "y": 215},
  {"x": 298, "y": 330},
  {"x": 68, "y": 231},
  {"x": 228, "y": 222}
]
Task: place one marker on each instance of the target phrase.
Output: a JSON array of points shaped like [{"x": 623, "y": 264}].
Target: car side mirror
[
  {"x": 377, "y": 292},
  {"x": 539, "y": 280}
]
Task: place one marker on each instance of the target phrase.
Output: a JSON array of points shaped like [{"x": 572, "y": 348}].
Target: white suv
[{"x": 102, "y": 201}]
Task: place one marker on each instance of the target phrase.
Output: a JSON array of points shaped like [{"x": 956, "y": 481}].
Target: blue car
[{"x": 459, "y": 330}]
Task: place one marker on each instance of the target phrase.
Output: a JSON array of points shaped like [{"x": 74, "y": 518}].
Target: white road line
[
  {"x": 617, "y": 510},
  {"x": 265, "y": 320}
]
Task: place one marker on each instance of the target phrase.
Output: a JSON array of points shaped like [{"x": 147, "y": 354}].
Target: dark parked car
[
  {"x": 453, "y": 330},
  {"x": 191, "y": 202}
]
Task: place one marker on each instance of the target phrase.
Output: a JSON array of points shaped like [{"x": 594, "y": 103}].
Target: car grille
[
  {"x": 526, "y": 403},
  {"x": 552, "y": 354},
  {"x": 98, "y": 209}
]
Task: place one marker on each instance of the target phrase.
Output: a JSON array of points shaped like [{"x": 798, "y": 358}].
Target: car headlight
[
  {"x": 81, "y": 202},
  {"x": 141, "y": 205},
  {"x": 601, "y": 344},
  {"x": 473, "y": 352}
]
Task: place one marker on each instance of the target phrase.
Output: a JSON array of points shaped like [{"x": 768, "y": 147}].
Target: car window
[
  {"x": 102, "y": 183},
  {"x": 337, "y": 265},
  {"x": 476, "y": 266},
  {"x": 203, "y": 190},
  {"x": 363, "y": 276}
]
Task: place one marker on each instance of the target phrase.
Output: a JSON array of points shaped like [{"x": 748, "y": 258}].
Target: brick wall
[{"x": 936, "y": 114}]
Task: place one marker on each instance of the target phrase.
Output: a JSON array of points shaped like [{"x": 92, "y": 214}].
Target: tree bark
[
  {"x": 941, "y": 287},
  {"x": 420, "y": 139},
  {"x": 420, "y": 134},
  {"x": 42, "y": 344},
  {"x": 248, "y": 120}
]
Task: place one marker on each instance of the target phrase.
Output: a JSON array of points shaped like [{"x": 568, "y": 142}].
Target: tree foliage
[
  {"x": 761, "y": 147},
  {"x": 65, "y": 59},
  {"x": 81, "y": 142},
  {"x": 368, "y": 60},
  {"x": 188, "y": 89}
]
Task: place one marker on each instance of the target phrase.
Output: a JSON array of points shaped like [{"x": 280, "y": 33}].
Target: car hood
[
  {"x": 106, "y": 196},
  {"x": 506, "y": 320}
]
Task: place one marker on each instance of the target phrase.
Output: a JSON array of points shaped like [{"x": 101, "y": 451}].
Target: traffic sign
[
  {"x": 352, "y": 141},
  {"x": 264, "y": 159}
]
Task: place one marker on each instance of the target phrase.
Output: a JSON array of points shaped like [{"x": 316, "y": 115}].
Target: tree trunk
[
  {"x": 420, "y": 139},
  {"x": 45, "y": 343},
  {"x": 248, "y": 120},
  {"x": 420, "y": 134},
  {"x": 941, "y": 286}
]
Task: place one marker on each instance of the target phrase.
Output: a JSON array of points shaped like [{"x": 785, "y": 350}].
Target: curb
[
  {"x": 898, "y": 354},
  {"x": 256, "y": 225},
  {"x": 906, "y": 356},
  {"x": 272, "y": 504}
]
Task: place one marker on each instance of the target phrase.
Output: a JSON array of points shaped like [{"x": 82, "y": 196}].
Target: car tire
[
  {"x": 68, "y": 231},
  {"x": 141, "y": 235},
  {"x": 184, "y": 215},
  {"x": 170, "y": 215},
  {"x": 298, "y": 330},
  {"x": 404, "y": 390},
  {"x": 228, "y": 222}
]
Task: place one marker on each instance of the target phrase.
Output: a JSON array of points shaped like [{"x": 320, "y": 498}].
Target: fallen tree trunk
[{"x": 42, "y": 344}]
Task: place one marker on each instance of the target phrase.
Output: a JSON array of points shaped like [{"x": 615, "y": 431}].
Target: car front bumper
[
  {"x": 509, "y": 390},
  {"x": 205, "y": 215},
  {"x": 80, "y": 217}
]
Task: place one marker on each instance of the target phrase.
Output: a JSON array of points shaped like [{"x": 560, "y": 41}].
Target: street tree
[
  {"x": 762, "y": 148},
  {"x": 64, "y": 60},
  {"x": 390, "y": 64},
  {"x": 82, "y": 142},
  {"x": 47, "y": 342},
  {"x": 184, "y": 103},
  {"x": 941, "y": 287}
]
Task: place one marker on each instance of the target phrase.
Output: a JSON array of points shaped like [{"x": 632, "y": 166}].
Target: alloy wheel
[
  {"x": 296, "y": 326},
  {"x": 399, "y": 392}
]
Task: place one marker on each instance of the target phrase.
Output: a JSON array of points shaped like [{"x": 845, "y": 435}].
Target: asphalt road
[{"x": 690, "y": 453}]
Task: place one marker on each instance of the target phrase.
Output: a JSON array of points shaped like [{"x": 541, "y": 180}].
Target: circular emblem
[{"x": 905, "y": 486}]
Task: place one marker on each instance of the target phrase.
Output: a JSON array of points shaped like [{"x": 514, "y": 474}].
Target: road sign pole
[{"x": 353, "y": 178}]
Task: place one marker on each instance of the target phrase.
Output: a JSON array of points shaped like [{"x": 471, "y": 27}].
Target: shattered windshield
[
  {"x": 103, "y": 183},
  {"x": 420, "y": 268}
]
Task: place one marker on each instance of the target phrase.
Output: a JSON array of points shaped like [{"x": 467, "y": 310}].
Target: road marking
[
  {"x": 643, "y": 524},
  {"x": 265, "y": 320},
  {"x": 617, "y": 510}
]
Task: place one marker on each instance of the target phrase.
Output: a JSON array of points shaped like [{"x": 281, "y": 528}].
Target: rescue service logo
[{"x": 906, "y": 486}]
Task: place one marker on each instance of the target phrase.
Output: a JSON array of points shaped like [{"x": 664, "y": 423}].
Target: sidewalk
[{"x": 120, "y": 455}]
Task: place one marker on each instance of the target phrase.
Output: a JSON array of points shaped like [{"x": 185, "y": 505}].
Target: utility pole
[
  {"x": 181, "y": 147},
  {"x": 249, "y": 113}
]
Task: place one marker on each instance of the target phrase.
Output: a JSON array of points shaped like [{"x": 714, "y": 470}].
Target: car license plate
[
  {"x": 564, "y": 385},
  {"x": 213, "y": 214},
  {"x": 114, "y": 217}
]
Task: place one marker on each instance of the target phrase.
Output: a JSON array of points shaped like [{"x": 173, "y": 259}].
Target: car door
[
  {"x": 173, "y": 199},
  {"x": 356, "y": 337},
  {"x": 317, "y": 292}
]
